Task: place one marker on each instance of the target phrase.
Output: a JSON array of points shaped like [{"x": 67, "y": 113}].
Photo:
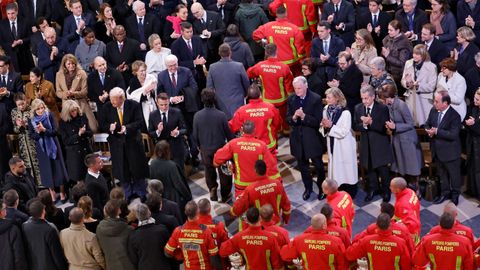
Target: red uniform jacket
[
  {"x": 280, "y": 233},
  {"x": 265, "y": 117},
  {"x": 343, "y": 209},
  {"x": 459, "y": 229},
  {"x": 288, "y": 38},
  {"x": 318, "y": 250},
  {"x": 407, "y": 210},
  {"x": 258, "y": 248},
  {"x": 245, "y": 151},
  {"x": 335, "y": 230},
  {"x": 398, "y": 229},
  {"x": 444, "y": 250},
  {"x": 196, "y": 244},
  {"x": 302, "y": 13},
  {"x": 276, "y": 79},
  {"x": 219, "y": 232},
  {"x": 264, "y": 191},
  {"x": 384, "y": 251}
]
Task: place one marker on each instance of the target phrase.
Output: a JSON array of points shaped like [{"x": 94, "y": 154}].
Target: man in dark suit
[
  {"x": 22, "y": 182},
  {"x": 10, "y": 83},
  {"x": 349, "y": 79},
  {"x": 141, "y": 25},
  {"x": 412, "y": 19},
  {"x": 96, "y": 184},
  {"x": 340, "y": 14},
  {"x": 50, "y": 54},
  {"x": 167, "y": 124},
  {"x": 75, "y": 23},
  {"x": 325, "y": 50},
  {"x": 304, "y": 114},
  {"x": 101, "y": 81},
  {"x": 15, "y": 40},
  {"x": 210, "y": 27},
  {"x": 443, "y": 127},
  {"x": 122, "y": 52},
  {"x": 375, "y": 148},
  {"x": 123, "y": 120},
  {"x": 5, "y": 127},
  {"x": 376, "y": 22},
  {"x": 41, "y": 24},
  {"x": 191, "y": 54},
  {"x": 225, "y": 9},
  {"x": 32, "y": 10},
  {"x": 436, "y": 49},
  {"x": 210, "y": 132}
]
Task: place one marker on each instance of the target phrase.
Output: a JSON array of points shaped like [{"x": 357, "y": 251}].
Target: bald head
[
  {"x": 329, "y": 186},
  {"x": 398, "y": 184},
  {"x": 266, "y": 212},
  {"x": 197, "y": 10},
  {"x": 451, "y": 208},
  {"x": 319, "y": 222},
  {"x": 76, "y": 215}
]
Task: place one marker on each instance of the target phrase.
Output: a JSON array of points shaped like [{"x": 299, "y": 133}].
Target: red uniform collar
[
  {"x": 402, "y": 193},
  {"x": 258, "y": 100},
  {"x": 248, "y": 135},
  {"x": 282, "y": 19},
  {"x": 384, "y": 233},
  {"x": 272, "y": 59},
  {"x": 205, "y": 218},
  {"x": 267, "y": 224},
  {"x": 254, "y": 228},
  {"x": 318, "y": 231}
]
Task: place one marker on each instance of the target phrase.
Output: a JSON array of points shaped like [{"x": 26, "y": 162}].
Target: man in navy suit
[
  {"x": 190, "y": 52},
  {"x": 141, "y": 25},
  {"x": 50, "y": 53},
  {"x": 376, "y": 22},
  {"x": 325, "y": 50},
  {"x": 75, "y": 23},
  {"x": 15, "y": 40},
  {"x": 10, "y": 83},
  {"x": 341, "y": 15},
  {"x": 443, "y": 127},
  {"x": 436, "y": 49},
  {"x": 412, "y": 19}
]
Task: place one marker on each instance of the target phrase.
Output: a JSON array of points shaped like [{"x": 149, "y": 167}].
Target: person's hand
[
  {"x": 330, "y": 18},
  {"x": 385, "y": 51},
  {"x": 469, "y": 21},
  {"x": 54, "y": 50},
  {"x": 377, "y": 30},
  {"x": 175, "y": 35},
  {"x": 19, "y": 122},
  {"x": 333, "y": 83},
  {"x": 40, "y": 128},
  {"x": 369, "y": 27},
  {"x": 160, "y": 127},
  {"x": 113, "y": 126},
  {"x": 431, "y": 132},
  {"x": 102, "y": 98},
  {"x": 174, "y": 133},
  {"x": 299, "y": 113},
  {"x": 199, "y": 60},
  {"x": 143, "y": 47},
  {"x": 408, "y": 34},
  {"x": 82, "y": 130},
  {"x": 454, "y": 54},
  {"x": 34, "y": 29},
  {"x": 470, "y": 121},
  {"x": 340, "y": 26},
  {"x": 366, "y": 120},
  {"x": 326, "y": 123},
  {"x": 390, "y": 125},
  {"x": 81, "y": 25},
  {"x": 123, "y": 129},
  {"x": 206, "y": 33},
  {"x": 324, "y": 58}
]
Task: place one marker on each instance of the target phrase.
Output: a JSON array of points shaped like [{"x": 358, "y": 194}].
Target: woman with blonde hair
[
  {"x": 86, "y": 204},
  {"x": 336, "y": 126},
  {"x": 466, "y": 50},
  {"x": 71, "y": 82},
  {"x": 52, "y": 167},
  {"x": 40, "y": 88},
  {"x": 143, "y": 89},
  {"x": 155, "y": 59},
  {"x": 75, "y": 134},
  {"x": 363, "y": 50},
  {"x": 419, "y": 79}
]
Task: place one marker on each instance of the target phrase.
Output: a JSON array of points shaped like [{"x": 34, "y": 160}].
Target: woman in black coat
[
  {"x": 466, "y": 50},
  {"x": 75, "y": 134},
  {"x": 316, "y": 82},
  {"x": 53, "y": 214},
  {"x": 472, "y": 123}
]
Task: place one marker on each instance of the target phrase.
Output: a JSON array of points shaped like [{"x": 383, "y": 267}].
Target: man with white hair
[
  {"x": 50, "y": 53},
  {"x": 412, "y": 19},
  {"x": 123, "y": 121},
  {"x": 141, "y": 24}
]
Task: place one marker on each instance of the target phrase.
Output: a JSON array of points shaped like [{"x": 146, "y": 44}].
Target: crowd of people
[{"x": 214, "y": 84}]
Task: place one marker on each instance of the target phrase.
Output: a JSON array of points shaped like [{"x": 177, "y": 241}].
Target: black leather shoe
[
  {"x": 321, "y": 196},
  {"x": 226, "y": 199},
  {"x": 306, "y": 194},
  {"x": 455, "y": 200},
  {"x": 440, "y": 199},
  {"x": 369, "y": 196},
  {"x": 213, "y": 195},
  {"x": 386, "y": 197}
]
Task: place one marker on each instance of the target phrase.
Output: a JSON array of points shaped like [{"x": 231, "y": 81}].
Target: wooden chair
[
  {"x": 101, "y": 145},
  {"x": 13, "y": 144},
  {"x": 148, "y": 145},
  {"x": 426, "y": 151}
]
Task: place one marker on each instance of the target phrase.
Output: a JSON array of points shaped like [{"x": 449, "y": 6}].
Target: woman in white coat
[
  {"x": 450, "y": 80},
  {"x": 336, "y": 126},
  {"x": 420, "y": 79}
]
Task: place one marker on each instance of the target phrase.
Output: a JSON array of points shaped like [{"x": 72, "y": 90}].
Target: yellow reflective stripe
[
  {"x": 270, "y": 39},
  {"x": 200, "y": 260},
  {"x": 247, "y": 265},
  {"x": 282, "y": 92},
  {"x": 275, "y": 176},
  {"x": 458, "y": 265},
  {"x": 267, "y": 257},
  {"x": 257, "y": 204},
  {"x": 305, "y": 22},
  {"x": 331, "y": 261},
  {"x": 169, "y": 248},
  {"x": 286, "y": 212},
  {"x": 270, "y": 135},
  {"x": 294, "y": 49},
  {"x": 344, "y": 222},
  {"x": 240, "y": 225},
  {"x": 213, "y": 250},
  {"x": 190, "y": 240},
  {"x": 370, "y": 261},
  {"x": 185, "y": 257},
  {"x": 305, "y": 261},
  {"x": 279, "y": 199},
  {"x": 237, "y": 167},
  {"x": 397, "y": 263},
  {"x": 433, "y": 263}
]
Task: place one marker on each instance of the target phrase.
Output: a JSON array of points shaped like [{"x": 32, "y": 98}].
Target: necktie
[
  {"x": 120, "y": 47},
  {"x": 14, "y": 31},
  {"x": 203, "y": 21},
  {"x": 439, "y": 119},
  {"x": 375, "y": 20},
  {"x": 174, "y": 81},
  {"x": 4, "y": 81},
  {"x": 102, "y": 78},
  {"x": 336, "y": 8},
  {"x": 325, "y": 47},
  {"x": 164, "y": 119},
  {"x": 78, "y": 21},
  {"x": 189, "y": 46},
  {"x": 120, "y": 116},
  {"x": 426, "y": 46},
  {"x": 220, "y": 10},
  {"x": 410, "y": 22},
  {"x": 141, "y": 30},
  {"x": 368, "y": 111}
]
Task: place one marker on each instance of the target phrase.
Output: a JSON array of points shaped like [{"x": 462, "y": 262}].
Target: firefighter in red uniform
[
  {"x": 458, "y": 227},
  {"x": 266, "y": 214},
  {"x": 193, "y": 242},
  {"x": 384, "y": 251},
  {"x": 407, "y": 207},
  {"x": 399, "y": 229},
  {"x": 276, "y": 79},
  {"x": 245, "y": 151},
  {"x": 288, "y": 38},
  {"x": 317, "y": 249},
  {"x": 264, "y": 115},
  {"x": 303, "y": 14},
  {"x": 332, "y": 227},
  {"x": 445, "y": 250},
  {"x": 263, "y": 191},
  {"x": 219, "y": 232},
  {"x": 258, "y": 247},
  {"x": 341, "y": 202}
]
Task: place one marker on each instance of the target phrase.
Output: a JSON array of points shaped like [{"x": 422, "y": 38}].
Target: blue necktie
[
  {"x": 410, "y": 22},
  {"x": 141, "y": 30}
]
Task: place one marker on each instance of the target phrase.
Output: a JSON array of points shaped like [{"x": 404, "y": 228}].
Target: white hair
[
  {"x": 301, "y": 79},
  {"x": 171, "y": 58},
  {"x": 136, "y": 5},
  {"x": 378, "y": 62},
  {"x": 117, "y": 92}
]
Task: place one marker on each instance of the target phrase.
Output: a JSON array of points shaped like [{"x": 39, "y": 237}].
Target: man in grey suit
[{"x": 230, "y": 80}]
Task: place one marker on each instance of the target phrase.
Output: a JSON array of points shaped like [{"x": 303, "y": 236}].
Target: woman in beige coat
[
  {"x": 71, "y": 82},
  {"x": 363, "y": 50},
  {"x": 419, "y": 78}
]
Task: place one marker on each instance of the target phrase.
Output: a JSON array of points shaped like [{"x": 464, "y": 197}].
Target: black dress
[
  {"x": 76, "y": 147},
  {"x": 473, "y": 153}
]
